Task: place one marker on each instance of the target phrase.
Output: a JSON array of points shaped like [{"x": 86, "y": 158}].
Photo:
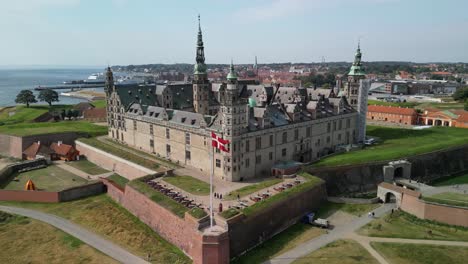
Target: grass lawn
[
  {"x": 25, "y": 240},
  {"x": 189, "y": 184},
  {"x": 119, "y": 180},
  {"x": 400, "y": 253},
  {"x": 51, "y": 178},
  {"x": 28, "y": 129},
  {"x": 99, "y": 103},
  {"x": 402, "y": 104},
  {"x": 87, "y": 166},
  {"x": 251, "y": 189},
  {"x": 339, "y": 252},
  {"x": 403, "y": 225},
  {"x": 22, "y": 114},
  {"x": 284, "y": 241},
  {"x": 159, "y": 198},
  {"x": 458, "y": 179},
  {"x": 450, "y": 198},
  {"x": 311, "y": 182},
  {"x": 120, "y": 152},
  {"x": 102, "y": 215},
  {"x": 398, "y": 143},
  {"x": 329, "y": 208},
  {"x": 442, "y": 106}
]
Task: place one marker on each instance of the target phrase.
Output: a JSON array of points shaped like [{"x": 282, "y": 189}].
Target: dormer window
[{"x": 193, "y": 122}]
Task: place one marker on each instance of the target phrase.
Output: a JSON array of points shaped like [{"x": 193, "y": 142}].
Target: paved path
[
  {"x": 333, "y": 235},
  {"x": 81, "y": 173},
  {"x": 409, "y": 241},
  {"x": 99, "y": 243}
]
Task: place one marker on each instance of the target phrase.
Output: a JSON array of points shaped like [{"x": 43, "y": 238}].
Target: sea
[{"x": 12, "y": 81}]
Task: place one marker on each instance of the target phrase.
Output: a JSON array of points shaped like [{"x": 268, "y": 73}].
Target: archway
[
  {"x": 390, "y": 198},
  {"x": 438, "y": 122},
  {"x": 398, "y": 172}
]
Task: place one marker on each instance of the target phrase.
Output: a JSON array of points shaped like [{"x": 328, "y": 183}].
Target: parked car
[{"x": 369, "y": 141}]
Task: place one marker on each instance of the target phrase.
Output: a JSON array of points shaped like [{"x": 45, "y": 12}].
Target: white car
[{"x": 369, "y": 141}]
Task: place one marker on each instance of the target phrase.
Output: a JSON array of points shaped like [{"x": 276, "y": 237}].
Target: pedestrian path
[
  {"x": 112, "y": 250},
  {"x": 81, "y": 173}
]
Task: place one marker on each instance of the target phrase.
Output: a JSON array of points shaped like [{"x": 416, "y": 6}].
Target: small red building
[
  {"x": 392, "y": 114},
  {"x": 63, "y": 152}
]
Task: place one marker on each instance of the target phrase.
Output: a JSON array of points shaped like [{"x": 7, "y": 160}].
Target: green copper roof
[
  {"x": 356, "y": 68},
  {"x": 252, "y": 102},
  {"x": 232, "y": 76},
  {"x": 200, "y": 66}
]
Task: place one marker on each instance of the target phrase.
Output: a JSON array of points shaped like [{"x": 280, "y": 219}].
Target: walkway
[
  {"x": 82, "y": 174},
  {"x": 99, "y": 243},
  {"x": 337, "y": 233}
]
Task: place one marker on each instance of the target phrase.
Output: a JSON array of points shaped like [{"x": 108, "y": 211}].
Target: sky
[{"x": 122, "y": 32}]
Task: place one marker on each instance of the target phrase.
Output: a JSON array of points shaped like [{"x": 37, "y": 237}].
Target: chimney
[
  {"x": 59, "y": 143},
  {"x": 38, "y": 142}
]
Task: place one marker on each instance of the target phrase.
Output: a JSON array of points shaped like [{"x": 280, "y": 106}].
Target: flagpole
[{"x": 211, "y": 185}]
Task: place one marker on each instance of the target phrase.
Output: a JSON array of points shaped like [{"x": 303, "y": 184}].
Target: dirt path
[{"x": 99, "y": 243}]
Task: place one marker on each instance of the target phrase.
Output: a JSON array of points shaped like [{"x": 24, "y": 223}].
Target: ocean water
[{"x": 12, "y": 81}]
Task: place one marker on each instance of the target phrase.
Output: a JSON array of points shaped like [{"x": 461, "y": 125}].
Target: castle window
[
  {"x": 134, "y": 125},
  {"x": 188, "y": 155},
  {"x": 247, "y": 146},
  {"x": 151, "y": 130},
  {"x": 247, "y": 162},
  {"x": 271, "y": 140},
  {"x": 283, "y": 152},
  {"x": 308, "y": 132},
  {"x": 340, "y": 124},
  {"x": 218, "y": 163},
  {"x": 285, "y": 137},
  {"x": 328, "y": 139},
  {"x": 187, "y": 138},
  {"x": 151, "y": 143},
  {"x": 296, "y": 134},
  {"x": 168, "y": 135},
  {"x": 348, "y": 122},
  {"x": 168, "y": 149},
  {"x": 328, "y": 127},
  {"x": 270, "y": 155},
  {"x": 258, "y": 159},
  {"x": 258, "y": 143},
  {"x": 334, "y": 125}
]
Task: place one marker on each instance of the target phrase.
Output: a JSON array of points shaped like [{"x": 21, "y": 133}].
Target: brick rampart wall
[
  {"x": 110, "y": 162},
  {"x": 29, "y": 196}
]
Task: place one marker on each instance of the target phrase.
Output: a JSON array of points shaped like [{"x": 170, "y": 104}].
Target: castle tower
[
  {"x": 255, "y": 67},
  {"x": 356, "y": 73},
  {"x": 201, "y": 85},
  {"x": 233, "y": 113},
  {"x": 109, "y": 85}
]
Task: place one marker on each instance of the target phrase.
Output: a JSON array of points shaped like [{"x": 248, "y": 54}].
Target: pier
[{"x": 71, "y": 87}]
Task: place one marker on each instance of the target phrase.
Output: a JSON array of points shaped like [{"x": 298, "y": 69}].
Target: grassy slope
[
  {"x": 251, "y": 189},
  {"x": 23, "y": 114},
  {"x": 27, "y": 129},
  {"x": 189, "y": 184},
  {"x": 399, "y": 253},
  {"x": 311, "y": 182},
  {"x": 99, "y": 103},
  {"x": 402, "y": 104},
  {"x": 339, "y": 252},
  {"x": 449, "y": 198},
  {"x": 102, "y": 215},
  {"x": 399, "y": 143},
  {"x": 459, "y": 179},
  {"x": 51, "y": 178},
  {"x": 120, "y": 152},
  {"x": 87, "y": 166},
  {"x": 286, "y": 240},
  {"x": 442, "y": 106},
  {"x": 403, "y": 225},
  {"x": 25, "y": 240},
  {"x": 119, "y": 180}
]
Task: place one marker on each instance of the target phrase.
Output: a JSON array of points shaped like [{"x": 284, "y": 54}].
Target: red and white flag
[{"x": 219, "y": 142}]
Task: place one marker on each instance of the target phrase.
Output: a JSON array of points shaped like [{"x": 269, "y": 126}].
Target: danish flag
[{"x": 219, "y": 142}]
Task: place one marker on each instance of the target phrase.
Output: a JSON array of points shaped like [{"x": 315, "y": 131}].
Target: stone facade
[{"x": 265, "y": 125}]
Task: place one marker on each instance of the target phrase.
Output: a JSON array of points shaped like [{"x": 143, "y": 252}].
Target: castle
[{"x": 266, "y": 125}]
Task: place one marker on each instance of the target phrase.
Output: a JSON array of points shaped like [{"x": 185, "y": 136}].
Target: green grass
[
  {"x": 22, "y": 114},
  {"x": 189, "y": 184},
  {"x": 402, "y": 253},
  {"x": 441, "y": 106},
  {"x": 453, "y": 180},
  {"x": 311, "y": 182},
  {"x": 51, "y": 178},
  {"x": 119, "y": 180},
  {"x": 282, "y": 242},
  {"x": 329, "y": 208},
  {"x": 103, "y": 216},
  {"x": 251, "y": 189},
  {"x": 402, "y": 104},
  {"x": 87, "y": 166},
  {"x": 120, "y": 152},
  {"x": 448, "y": 198},
  {"x": 403, "y": 225},
  {"x": 25, "y": 240},
  {"x": 197, "y": 213},
  {"x": 226, "y": 214},
  {"x": 159, "y": 198},
  {"x": 99, "y": 103},
  {"x": 29, "y": 129},
  {"x": 397, "y": 143},
  {"x": 339, "y": 252}
]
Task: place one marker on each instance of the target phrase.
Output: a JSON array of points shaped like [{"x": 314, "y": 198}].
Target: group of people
[{"x": 218, "y": 196}]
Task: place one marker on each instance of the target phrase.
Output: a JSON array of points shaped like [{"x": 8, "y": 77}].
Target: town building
[
  {"x": 449, "y": 118},
  {"x": 265, "y": 124},
  {"x": 392, "y": 114}
]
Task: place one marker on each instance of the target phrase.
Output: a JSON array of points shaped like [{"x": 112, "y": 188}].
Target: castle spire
[
  {"x": 356, "y": 68},
  {"x": 200, "y": 67},
  {"x": 232, "y": 76}
]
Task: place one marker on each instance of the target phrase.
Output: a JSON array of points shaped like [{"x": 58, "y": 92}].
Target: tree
[
  {"x": 25, "y": 97},
  {"x": 461, "y": 94},
  {"x": 49, "y": 96}
]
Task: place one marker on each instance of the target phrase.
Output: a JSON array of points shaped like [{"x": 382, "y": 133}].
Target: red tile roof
[
  {"x": 391, "y": 110},
  {"x": 441, "y": 73},
  {"x": 62, "y": 149},
  {"x": 36, "y": 148},
  {"x": 95, "y": 113}
]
